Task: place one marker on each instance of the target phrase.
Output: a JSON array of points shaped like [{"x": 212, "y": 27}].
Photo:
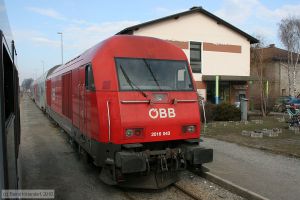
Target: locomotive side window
[
  {"x": 181, "y": 74},
  {"x": 89, "y": 78},
  {"x": 182, "y": 79},
  {"x": 153, "y": 75}
]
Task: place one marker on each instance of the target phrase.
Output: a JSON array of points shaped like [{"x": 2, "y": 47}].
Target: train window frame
[{"x": 89, "y": 78}]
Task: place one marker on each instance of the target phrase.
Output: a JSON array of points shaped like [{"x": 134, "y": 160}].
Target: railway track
[
  {"x": 186, "y": 191},
  {"x": 176, "y": 188},
  {"x": 128, "y": 196}
]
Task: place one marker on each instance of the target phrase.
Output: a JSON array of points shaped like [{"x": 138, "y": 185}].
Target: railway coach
[
  {"x": 38, "y": 89},
  {"x": 131, "y": 105},
  {"x": 10, "y": 129}
]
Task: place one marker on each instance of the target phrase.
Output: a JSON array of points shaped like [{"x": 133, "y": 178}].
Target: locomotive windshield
[{"x": 155, "y": 75}]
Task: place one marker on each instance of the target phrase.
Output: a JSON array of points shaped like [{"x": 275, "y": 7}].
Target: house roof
[
  {"x": 273, "y": 53},
  {"x": 129, "y": 30},
  {"x": 276, "y": 54}
]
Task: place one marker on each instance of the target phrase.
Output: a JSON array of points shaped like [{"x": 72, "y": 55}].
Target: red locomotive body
[{"x": 130, "y": 103}]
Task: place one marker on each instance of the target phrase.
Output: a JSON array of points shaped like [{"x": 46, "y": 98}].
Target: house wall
[
  {"x": 271, "y": 73},
  {"x": 284, "y": 79},
  {"x": 225, "y": 52},
  {"x": 277, "y": 76}
]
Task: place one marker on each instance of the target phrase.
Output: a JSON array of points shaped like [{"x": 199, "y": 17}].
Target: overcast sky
[{"x": 35, "y": 23}]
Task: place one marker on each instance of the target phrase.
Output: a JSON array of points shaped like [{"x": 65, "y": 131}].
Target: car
[
  {"x": 294, "y": 103},
  {"x": 281, "y": 102}
]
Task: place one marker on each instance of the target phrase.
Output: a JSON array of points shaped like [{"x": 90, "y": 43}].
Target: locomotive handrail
[
  {"x": 108, "y": 118},
  {"x": 135, "y": 101},
  {"x": 175, "y": 101},
  {"x": 149, "y": 101},
  {"x": 185, "y": 100}
]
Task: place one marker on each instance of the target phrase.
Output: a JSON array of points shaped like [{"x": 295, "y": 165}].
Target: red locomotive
[{"x": 130, "y": 102}]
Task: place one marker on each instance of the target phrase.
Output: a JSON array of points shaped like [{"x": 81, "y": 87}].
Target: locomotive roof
[
  {"x": 88, "y": 55},
  {"x": 46, "y": 74}
]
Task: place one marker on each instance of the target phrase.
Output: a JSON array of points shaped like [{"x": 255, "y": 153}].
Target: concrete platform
[{"x": 49, "y": 162}]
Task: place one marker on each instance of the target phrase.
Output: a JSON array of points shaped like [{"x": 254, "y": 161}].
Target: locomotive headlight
[
  {"x": 189, "y": 129},
  {"x": 134, "y": 133},
  {"x": 129, "y": 132}
]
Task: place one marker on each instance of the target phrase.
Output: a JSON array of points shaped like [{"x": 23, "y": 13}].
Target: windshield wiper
[
  {"x": 151, "y": 72},
  {"x": 131, "y": 83}
]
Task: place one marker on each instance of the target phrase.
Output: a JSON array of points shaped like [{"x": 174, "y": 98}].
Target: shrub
[
  {"x": 226, "y": 112},
  {"x": 209, "y": 110},
  {"x": 221, "y": 112}
]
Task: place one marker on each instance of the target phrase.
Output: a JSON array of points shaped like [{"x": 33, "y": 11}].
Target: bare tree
[
  {"x": 26, "y": 83},
  {"x": 289, "y": 34},
  {"x": 258, "y": 65}
]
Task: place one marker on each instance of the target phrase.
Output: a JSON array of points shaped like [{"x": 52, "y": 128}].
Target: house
[
  {"x": 219, "y": 53},
  {"x": 275, "y": 76}
]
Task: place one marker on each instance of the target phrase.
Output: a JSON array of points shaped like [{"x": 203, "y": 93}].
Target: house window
[{"x": 195, "y": 56}]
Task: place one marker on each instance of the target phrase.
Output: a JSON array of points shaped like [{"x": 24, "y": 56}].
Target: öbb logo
[{"x": 154, "y": 113}]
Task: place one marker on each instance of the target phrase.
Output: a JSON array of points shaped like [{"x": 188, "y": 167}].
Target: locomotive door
[
  {"x": 82, "y": 112},
  {"x": 75, "y": 97}
]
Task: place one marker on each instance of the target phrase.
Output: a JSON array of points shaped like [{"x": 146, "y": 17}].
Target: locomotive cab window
[
  {"x": 89, "y": 78},
  {"x": 153, "y": 75},
  {"x": 182, "y": 79}
]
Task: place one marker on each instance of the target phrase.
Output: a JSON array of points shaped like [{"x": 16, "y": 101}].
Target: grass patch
[{"x": 287, "y": 143}]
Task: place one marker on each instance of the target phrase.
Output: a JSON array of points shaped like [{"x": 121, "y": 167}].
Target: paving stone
[{"x": 257, "y": 134}]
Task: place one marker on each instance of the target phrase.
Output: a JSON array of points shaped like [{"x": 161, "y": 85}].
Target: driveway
[{"x": 272, "y": 176}]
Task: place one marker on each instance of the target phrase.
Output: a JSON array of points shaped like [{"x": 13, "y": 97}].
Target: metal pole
[
  {"x": 204, "y": 114},
  {"x": 13, "y": 51},
  {"x": 43, "y": 66},
  {"x": 217, "y": 90},
  {"x": 267, "y": 89},
  {"x": 62, "y": 47}
]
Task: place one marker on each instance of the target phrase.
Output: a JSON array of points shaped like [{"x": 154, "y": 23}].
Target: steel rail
[
  {"x": 188, "y": 193},
  {"x": 128, "y": 196}
]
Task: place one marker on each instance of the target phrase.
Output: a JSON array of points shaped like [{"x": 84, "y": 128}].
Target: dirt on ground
[{"x": 286, "y": 143}]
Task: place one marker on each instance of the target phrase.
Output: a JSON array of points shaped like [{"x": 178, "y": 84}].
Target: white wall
[
  {"x": 284, "y": 83},
  {"x": 198, "y": 27}
]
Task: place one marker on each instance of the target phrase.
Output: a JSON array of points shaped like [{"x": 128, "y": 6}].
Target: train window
[
  {"x": 9, "y": 85},
  {"x": 89, "y": 78},
  {"x": 153, "y": 75}
]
